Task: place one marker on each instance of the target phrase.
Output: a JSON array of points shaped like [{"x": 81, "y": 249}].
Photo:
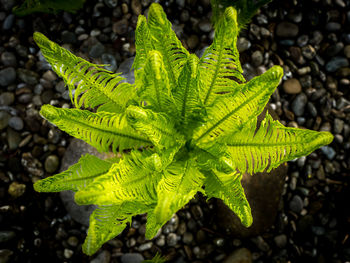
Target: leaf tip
[{"x": 49, "y": 112}]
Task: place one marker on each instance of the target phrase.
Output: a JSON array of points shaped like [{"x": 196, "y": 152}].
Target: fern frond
[
  {"x": 245, "y": 8},
  {"x": 143, "y": 45},
  {"x": 220, "y": 68},
  {"x": 156, "y": 259},
  {"x": 186, "y": 93},
  {"x": 165, "y": 41},
  {"x": 133, "y": 179},
  {"x": 103, "y": 130},
  {"x": 229, "y": 114},
  {"x": 179, "y": 183},
  {"x": 97, "y": 87},
  {"x": 228, "y": 188},
  {"x": 47, "y": 6},
  {"x": 271, "y": 145},
  {"x": 106, "y": 222},
  {"x": 155, "y": 87},
  {"x": 76, "y": 177},
  {"x": 158, "y": 127}
]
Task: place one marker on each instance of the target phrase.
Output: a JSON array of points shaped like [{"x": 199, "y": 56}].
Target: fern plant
[{"x": 191, "y": 125}]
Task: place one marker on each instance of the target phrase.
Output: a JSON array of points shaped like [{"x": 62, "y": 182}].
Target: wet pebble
[
  {"x": 296, "y": 204},
  {"x": 16, "y": 123},
  {"x": 243, "y": 44},
  {"x": 51, "y": 163},
  {"x": 336, "y": 63},
  {"x": 4, "y": 119},
  {"x": 241, "y": 255},
  {"x": 7, "y": 76},
  {"x": 6, "y": 236},
  {"x": 298, "y": 104},
  {"x": 102, "y": 257},
  {"x": 292, "y": 86},
  {"x": 329, "y": 152},
  {"x": 280, "y": 240},
  {"x": 8, "y": 59},
  {"x": 6, "y": 98},
  {"x": 131, "y": 258},
  {"x": 28, "y": 76},
  {"x": 287, "y": 29}
]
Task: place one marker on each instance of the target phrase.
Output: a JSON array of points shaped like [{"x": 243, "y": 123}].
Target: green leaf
[
  {"x": 106, "y": 222},
  {"x": 228, "y": 188},
  {"x": 143, "y": 46},
  {"x": 133, "y": 179},
  {"x": 165, "y": 41},
  {"x": 156, "y": 126},
  {"x": 272, "y": 144},
  {"x": 102, "y": 130},
  {"x": 245, "y": 8},
  {"x": 220, "y": 68},
  {"x": 155, "y": 87},
  {"x": 186, "y": 94},
  {"x": 231, "y": 113},
  {"x": 97, "y": 87},
  {"x": 76, "y": 177},
  {"x": 47, "y": 6}
]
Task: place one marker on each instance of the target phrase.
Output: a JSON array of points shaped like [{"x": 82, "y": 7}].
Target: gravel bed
[{"x": 310, "y": 39}]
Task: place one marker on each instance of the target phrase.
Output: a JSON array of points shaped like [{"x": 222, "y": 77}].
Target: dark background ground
[{"x": 310, "y": 39}]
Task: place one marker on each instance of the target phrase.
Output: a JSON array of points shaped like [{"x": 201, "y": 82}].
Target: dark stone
[
  {"x": 7, "y": 76},
  {"x": 287, "y": 29},
  {"x": 75, "y": 150},
  {"x": 258, "y": 188}
]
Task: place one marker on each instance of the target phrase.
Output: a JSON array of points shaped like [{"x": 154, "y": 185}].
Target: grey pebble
[
  {"x": 16, "y": 123},
  {"x": 103, "y": 257},
  {"x": 145, "y": 246},
  {"x": 205, "y": 26},
  {"x": 171, "y": 240},
  {"x": 280, "y": 240},
  {"x": 296, "y": 204},
  {"x": 8, "y": 59},
  {"x": 298, "y": 104},
  {"x": 110, "y": 60},
  {"x": 336, "y": 63},
  {"x": 8, "y": 22},
  {"x": 131, "y": 258},
  {"x": 96, "y": 50},
  {"x": 6, "y": 98},
  {"x": 187, "y": 238},
  {"x": 6, "y": 236},
  {"x": 287, "y": 29},
  {"x": 7, "y": 76},
  {"x": 13, "y": 139},
  {"x": 28, "y": 76},
  {"x": 243, "y": 44},
  {"x": 329, "y": 152}
]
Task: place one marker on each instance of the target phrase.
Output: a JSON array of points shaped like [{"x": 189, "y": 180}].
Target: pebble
[
  {"x": 111, "y": 3},
  {"x": 287, "y": 29},
  {"x": 5, "y": 255},
  {"x": 8, "y": 22},
  {"x": 16, "y": 123},
  {"x": 333, "y": 26},
  {"x": 7, "y": 98},
  {"x": 7, "y": 76},
  {"x": 68, "y": 37},
  {"x": 6, "y": 236},
  {"x": 103, "y": 257},
  {"x": 205, "y": 26},
  {"x": 292, "y": 86},
  {"x": 8, "y": 59},
  {"x": 96, "y": 50},
  {"x": 4, "y": 119},
  {"x": 136, "y": 7},
  {"x": 243, "y": 44},
  {"x": 131, "y": 258},
  {"x": 296, "y": 204},
  {"x": 298, "y": 104},
  {"x": 338, "y": 126},
  {"x": 280, "y": 240},
  {"x": 68, "y": 253},
  {"x": 145, "y": 246},
  {"x": 187, "y": 238},
  {"x": 329, "y": 152},
  {"x": 110, "y": 61},
  {"x": 241, "y": 255},
  {"x": 13, "y": 139},
  {"x": 28, "y": 76},
  {"x": 308, "y": 52},
  {"x": 257, "y": 58},
  {"x": 51, "y": 163},
  {"x": 192, "y": 41},
  {"x": 336, "y": 63}
]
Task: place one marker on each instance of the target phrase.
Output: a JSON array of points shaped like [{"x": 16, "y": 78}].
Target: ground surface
[{"x": 310, "y": 39}]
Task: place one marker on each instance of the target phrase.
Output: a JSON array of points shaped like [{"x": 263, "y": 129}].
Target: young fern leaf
[
  {"x": 143, "y": 45},
  {"x": 220, "y": 68},
  {"x": 76, "y": 177},
  {"x": 97, "y": 86},
  {"x": 179, "y": 183},
  {"x": 158, "y": 127},
  {"x": 103, "y": 130},
  {"x": 165, "y": 41},
  {"x": 133, "y": 179},
  {"x": 155, "y": 87},
  {"x": 271, "y": 145},
  {"x": 229, "y": 114},
  {"x": 186, "y": 92},
  {"x": 228, "y": 188},
  {"x": 106, "y": 222}
]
